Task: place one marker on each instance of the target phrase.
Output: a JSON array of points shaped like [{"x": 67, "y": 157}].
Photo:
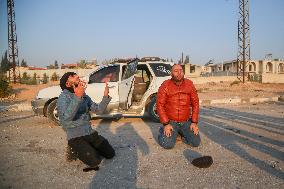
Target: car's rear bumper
[{"x": 38, "y": 105}]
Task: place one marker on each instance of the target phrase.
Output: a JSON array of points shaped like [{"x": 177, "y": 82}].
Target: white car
[{"x": 133, "y": 86}]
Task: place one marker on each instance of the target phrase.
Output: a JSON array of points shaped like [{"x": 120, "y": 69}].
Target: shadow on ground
[
  {"x": 231, "y": 138},
  {"x": 3, "y": 120},
  {"x": 120, "y": 172}
]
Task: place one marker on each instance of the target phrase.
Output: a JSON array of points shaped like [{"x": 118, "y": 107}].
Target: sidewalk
[{"x": 240, "y": 100}]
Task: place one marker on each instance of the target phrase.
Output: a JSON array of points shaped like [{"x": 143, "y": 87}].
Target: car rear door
[{"x": 126, "y": 86}]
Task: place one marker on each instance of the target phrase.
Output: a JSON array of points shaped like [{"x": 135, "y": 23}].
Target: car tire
[
  {"x": 152, "y": 110},
  {"x": 52, "y": 112}
]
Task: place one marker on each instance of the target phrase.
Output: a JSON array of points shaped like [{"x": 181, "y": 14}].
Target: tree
[
  {"x": 5, "y": 64},
  {"x": 51, "y": 66},
  {"x": 56, "y": 64},
  {"x": 45, "y": 79},
  {"x": 83, "y": 64},
  {"x": 26, "y": 79},
  {"x": 54, "y": 77},
  {"x": 25, "y": 76},
  {"x": 186, "y": 61},
  {"x": 106, "y": 62},
  {"x": 24, "y": 63},
  {"x": 5, "y": 88},
  {"x": 33, "y": 82}
]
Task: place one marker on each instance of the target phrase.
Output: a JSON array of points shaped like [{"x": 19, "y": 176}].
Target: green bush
[
  {"x": 26, "y": 79},
  {"x": 5, "y": 88},
  {"x": 25, "y": 76}
]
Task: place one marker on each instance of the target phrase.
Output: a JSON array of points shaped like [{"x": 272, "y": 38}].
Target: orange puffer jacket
[{"x": 175, "y": 102}]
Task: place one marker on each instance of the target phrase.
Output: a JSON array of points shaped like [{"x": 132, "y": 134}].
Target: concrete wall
[
  {"x": 272, "y": 78},
  {"x": 201, "y": 80},
  {"x": 59, "y": 72},
  {"x": 266, "y": 77}
]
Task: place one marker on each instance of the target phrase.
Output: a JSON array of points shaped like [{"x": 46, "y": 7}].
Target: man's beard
[
  {"x": 71, "y": 89},
  {"x": 175, "y": 79}
]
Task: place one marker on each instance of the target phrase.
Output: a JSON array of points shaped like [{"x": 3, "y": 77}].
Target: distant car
[{"x": 133, "y": 86}]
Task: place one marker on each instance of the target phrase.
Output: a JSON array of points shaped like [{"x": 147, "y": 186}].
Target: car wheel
[
  {"x": 52, "y": 112},
  {"x": 152, "y": 110}
]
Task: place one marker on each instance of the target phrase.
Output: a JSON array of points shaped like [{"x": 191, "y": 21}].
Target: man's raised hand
[
  {"x": 106, "y": 92},
  {"x": 80, "y": 89}
]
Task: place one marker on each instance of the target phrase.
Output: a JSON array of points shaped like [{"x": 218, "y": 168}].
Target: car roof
[{"x": 143, "y": 62}]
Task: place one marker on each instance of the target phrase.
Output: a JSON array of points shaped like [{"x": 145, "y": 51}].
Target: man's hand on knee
[
  {"x": 168, "y": 130},
  {"x": 193, "y": 127}
]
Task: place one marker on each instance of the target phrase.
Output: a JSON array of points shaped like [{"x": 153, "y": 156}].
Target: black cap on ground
[{"x": 202, "y": 162}]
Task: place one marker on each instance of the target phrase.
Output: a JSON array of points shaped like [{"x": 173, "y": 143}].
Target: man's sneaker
[
  {"x": 70, "y": 156},
  {"x": 87, "y": 169}
]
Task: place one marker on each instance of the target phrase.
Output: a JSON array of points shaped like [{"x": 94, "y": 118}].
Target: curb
[
  {"x": 241, "y": 100},
  {"x": 16, "y": 108}
]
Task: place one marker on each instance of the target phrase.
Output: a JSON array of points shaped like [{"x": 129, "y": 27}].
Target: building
[{"x": 275, "y": 66}]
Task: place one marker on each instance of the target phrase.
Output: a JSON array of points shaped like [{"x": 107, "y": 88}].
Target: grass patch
[{"x": 235, "y": 83}]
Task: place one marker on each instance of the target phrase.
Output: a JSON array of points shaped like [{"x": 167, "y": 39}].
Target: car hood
[{"x": 49, "y": 92}]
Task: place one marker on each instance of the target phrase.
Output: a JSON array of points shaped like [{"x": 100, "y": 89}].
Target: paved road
[{"x": 245, "y": 141}]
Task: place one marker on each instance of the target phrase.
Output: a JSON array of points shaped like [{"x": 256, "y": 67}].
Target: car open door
[{"x": 126, "y": 85}]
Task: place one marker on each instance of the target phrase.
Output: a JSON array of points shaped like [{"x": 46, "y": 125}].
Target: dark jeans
[
  {"x": 181, "y": 128},
  {"x": 90, "y": 149}
]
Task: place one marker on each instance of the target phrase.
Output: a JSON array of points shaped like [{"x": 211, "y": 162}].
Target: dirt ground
[
  {"x": 208, "y": 91},
  {"x": 26, "y": 93},
  {"x": 245, "y": 141}
]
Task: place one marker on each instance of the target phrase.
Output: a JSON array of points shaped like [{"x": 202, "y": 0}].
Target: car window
[
  {"x": 129, "y": 70},
  {"x": 107, "y": 74},
  {"x": 143, "y": 73},
  {"x": 161, "y": 70}
]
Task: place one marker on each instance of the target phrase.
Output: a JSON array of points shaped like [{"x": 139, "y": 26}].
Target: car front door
[
  {"x": 96, "y": 86},
  {"x": 126, "y": 86}
]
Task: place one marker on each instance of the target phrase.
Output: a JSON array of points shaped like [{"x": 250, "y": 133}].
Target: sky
[{"x": 71, "y": 30}]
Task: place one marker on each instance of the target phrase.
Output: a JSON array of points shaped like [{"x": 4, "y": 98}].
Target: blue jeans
[{"x": 181, "y": 128}]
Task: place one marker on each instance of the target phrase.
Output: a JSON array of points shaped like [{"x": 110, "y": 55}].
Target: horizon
[{"x": 204, "y": 30}]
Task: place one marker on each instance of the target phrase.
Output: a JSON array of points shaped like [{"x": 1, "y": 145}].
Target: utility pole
[
  {"x": 12, "y": 39},
  {"x": 243, "y": 40}
]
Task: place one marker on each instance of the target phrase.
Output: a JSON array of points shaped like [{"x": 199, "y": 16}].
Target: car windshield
[{"x": 161, "y": 70}]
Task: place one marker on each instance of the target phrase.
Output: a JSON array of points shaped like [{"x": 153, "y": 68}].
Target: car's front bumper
[{"x": 38, "y": 105}]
